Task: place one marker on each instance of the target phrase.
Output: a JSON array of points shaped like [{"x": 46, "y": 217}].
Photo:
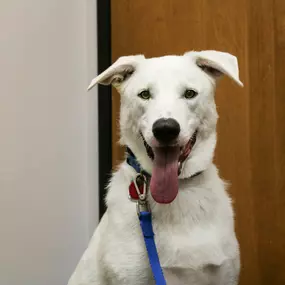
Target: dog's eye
[
  {"x": 189, "y": 94},
  {"x": 145, "y": 95}
]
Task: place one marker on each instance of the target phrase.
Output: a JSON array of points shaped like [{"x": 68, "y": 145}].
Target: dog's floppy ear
[
  {"x": 118, "y": 71},
  {"x": 216, "y": 63}
]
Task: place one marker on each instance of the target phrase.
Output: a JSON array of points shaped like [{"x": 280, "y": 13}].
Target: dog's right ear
[{"x": 118, "y": 71}]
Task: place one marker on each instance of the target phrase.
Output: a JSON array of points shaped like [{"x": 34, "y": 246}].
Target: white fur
[{"x": 195, "y": 233}]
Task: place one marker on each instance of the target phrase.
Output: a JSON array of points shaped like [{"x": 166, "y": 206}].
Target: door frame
[{"x": 104, "y": 101}]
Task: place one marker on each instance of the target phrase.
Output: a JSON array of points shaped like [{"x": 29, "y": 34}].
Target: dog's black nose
[{"x": 166, "y": 130}]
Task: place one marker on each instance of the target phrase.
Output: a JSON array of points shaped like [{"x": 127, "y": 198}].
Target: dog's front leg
[
  {"x": 87, "y": 274},
  {"x": 90, "y": 270}
]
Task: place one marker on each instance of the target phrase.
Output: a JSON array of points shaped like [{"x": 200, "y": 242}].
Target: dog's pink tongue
[{"x": 164, "y": 180}]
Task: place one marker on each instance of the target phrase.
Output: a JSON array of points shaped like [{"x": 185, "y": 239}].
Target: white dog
[{"x": 168, "y": 121}]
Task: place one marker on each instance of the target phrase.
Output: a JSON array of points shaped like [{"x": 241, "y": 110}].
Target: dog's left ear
[
  {"x": 118, "y": 71},
  {"x": 216, "y": 64}
]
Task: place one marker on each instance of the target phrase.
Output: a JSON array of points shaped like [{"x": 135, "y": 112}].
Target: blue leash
[
  {"x": 146, "y": 222},
  {"x": 146, "y": 225},
  {"x": 147, "y": 229}
]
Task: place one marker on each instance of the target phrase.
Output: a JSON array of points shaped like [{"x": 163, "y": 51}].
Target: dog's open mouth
[{"x": 167, "y": 164}]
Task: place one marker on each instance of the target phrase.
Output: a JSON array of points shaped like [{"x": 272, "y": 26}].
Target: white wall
[{"x": 48, "y": 138}]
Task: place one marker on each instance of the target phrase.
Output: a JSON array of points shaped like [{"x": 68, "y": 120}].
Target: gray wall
[{"x": 48, "y": 138}]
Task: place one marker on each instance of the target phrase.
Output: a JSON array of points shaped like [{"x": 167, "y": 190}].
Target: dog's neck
[{"x": 199, "y": 159}]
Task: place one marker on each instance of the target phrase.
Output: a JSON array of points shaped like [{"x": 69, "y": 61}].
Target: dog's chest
[
  {"x": 179, "y": 248},
  {"x": 187, "y": 235}
]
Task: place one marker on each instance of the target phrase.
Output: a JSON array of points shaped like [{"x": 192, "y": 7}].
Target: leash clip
[
  {"x": 142, "y": 204},
  {"x": 138, "y": 188},
  {"x": 141, "y": 195}
]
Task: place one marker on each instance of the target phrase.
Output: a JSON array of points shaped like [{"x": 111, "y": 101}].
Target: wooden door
[{"x": 251, "y": 133}]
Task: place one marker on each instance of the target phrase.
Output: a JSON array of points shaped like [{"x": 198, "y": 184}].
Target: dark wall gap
[{"x": 104, "y": 100}]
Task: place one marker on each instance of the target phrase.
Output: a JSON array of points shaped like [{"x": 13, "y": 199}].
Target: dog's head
[{"x": 168, "y": 112}]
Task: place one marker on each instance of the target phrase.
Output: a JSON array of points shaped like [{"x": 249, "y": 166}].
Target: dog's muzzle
[{"x": 184, "y": 151}]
